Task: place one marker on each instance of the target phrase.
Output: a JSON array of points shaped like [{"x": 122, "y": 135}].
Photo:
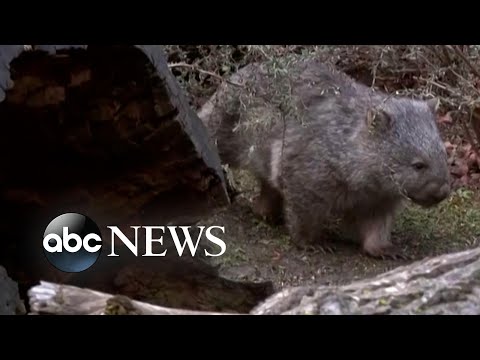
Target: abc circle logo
[{"x": 72, "y": 242}]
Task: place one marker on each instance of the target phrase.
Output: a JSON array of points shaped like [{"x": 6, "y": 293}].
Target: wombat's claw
[
  {"x": 327, "y": 249},
  {"x": 390, "y": 253},
  {"x": 396, "y": 254},
  {"x": 401, "y": 256},
  {"x": 305, "y": 247},
  {"x": 392, "y": 257},
  {"x": 317, "y": 248}
]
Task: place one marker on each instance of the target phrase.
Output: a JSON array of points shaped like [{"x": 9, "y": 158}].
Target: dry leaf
[
  {"x": 472, "y": 160},
  {"x": 467, "y": 148},
  {"x": 459, "y": 169},
  {"x": 462, "y": 151},
  {"x": 445, "y": 119},
  {"x": 463, "y": 180},
  {"x": 475, "y": 177},
  {"x": 449, "y": 147}
]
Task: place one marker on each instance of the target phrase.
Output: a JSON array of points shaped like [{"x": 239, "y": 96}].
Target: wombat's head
[{"x": 412, "y": 148}]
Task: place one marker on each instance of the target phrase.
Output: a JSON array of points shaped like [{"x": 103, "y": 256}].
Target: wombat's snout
[
  {"x": 442, "y": 192},
  {"x": 434, "y": 193}
]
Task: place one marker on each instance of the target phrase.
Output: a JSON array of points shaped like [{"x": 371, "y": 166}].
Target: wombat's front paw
[
  {"x": 385, "y": 251},
  {"x": 267, "y": 211}
]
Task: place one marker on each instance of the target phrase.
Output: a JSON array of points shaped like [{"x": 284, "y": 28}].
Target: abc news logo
[{"x": 73, "y": 242}]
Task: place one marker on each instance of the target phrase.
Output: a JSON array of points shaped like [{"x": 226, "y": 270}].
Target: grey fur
[{"x": 348, "y": 151}]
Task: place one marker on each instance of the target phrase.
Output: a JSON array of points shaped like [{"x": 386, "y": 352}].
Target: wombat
[{"x": 324, "y": 146}]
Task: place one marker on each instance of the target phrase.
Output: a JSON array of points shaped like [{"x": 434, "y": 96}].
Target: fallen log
[
  {"x": 104, "y": 130},
  {"x": 444, "y": 285},
  {"x": 49, "y": 298}
]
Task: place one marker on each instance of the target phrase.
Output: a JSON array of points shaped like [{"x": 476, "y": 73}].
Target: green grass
[{"x": 452, "y": 225}]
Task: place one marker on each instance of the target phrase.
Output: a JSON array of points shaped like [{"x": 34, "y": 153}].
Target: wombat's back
[{"x": 245, "y": 120}]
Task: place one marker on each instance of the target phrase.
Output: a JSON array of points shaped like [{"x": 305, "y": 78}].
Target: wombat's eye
[{"x": 419, "y": 165}]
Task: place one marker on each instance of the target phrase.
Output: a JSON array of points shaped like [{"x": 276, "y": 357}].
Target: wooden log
[
  {"x": 49, "y": 298},
  {"x": 445, "y": 285},
  {"x": 105, "y": 130}
]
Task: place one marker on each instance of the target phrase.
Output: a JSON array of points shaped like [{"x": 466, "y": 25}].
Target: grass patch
[{"x": 452, "y": 225}]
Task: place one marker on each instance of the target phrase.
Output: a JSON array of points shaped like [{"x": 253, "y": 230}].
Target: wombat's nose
[
  {"x": 443, "y": 192},
  {"x": 434, "y": 193}
]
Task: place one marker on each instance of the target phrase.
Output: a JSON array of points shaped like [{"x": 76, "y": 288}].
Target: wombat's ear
[
  {"x": 433, "y": 104},
  {"x": 378, "y": 119}
]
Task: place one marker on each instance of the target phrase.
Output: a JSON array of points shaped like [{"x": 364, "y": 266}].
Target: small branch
[
  {"x": 377, "y": 64},
  {"x": 442, "y": 86},
  {"x": 447, "y": 55},
  {"x": 206, "y": 72},
  {"x": 466, "y": 60},
  {"x": 434, "y": 50},
  {"x": 466, "y": 81},
  {"x": 404, "y": 71}
]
